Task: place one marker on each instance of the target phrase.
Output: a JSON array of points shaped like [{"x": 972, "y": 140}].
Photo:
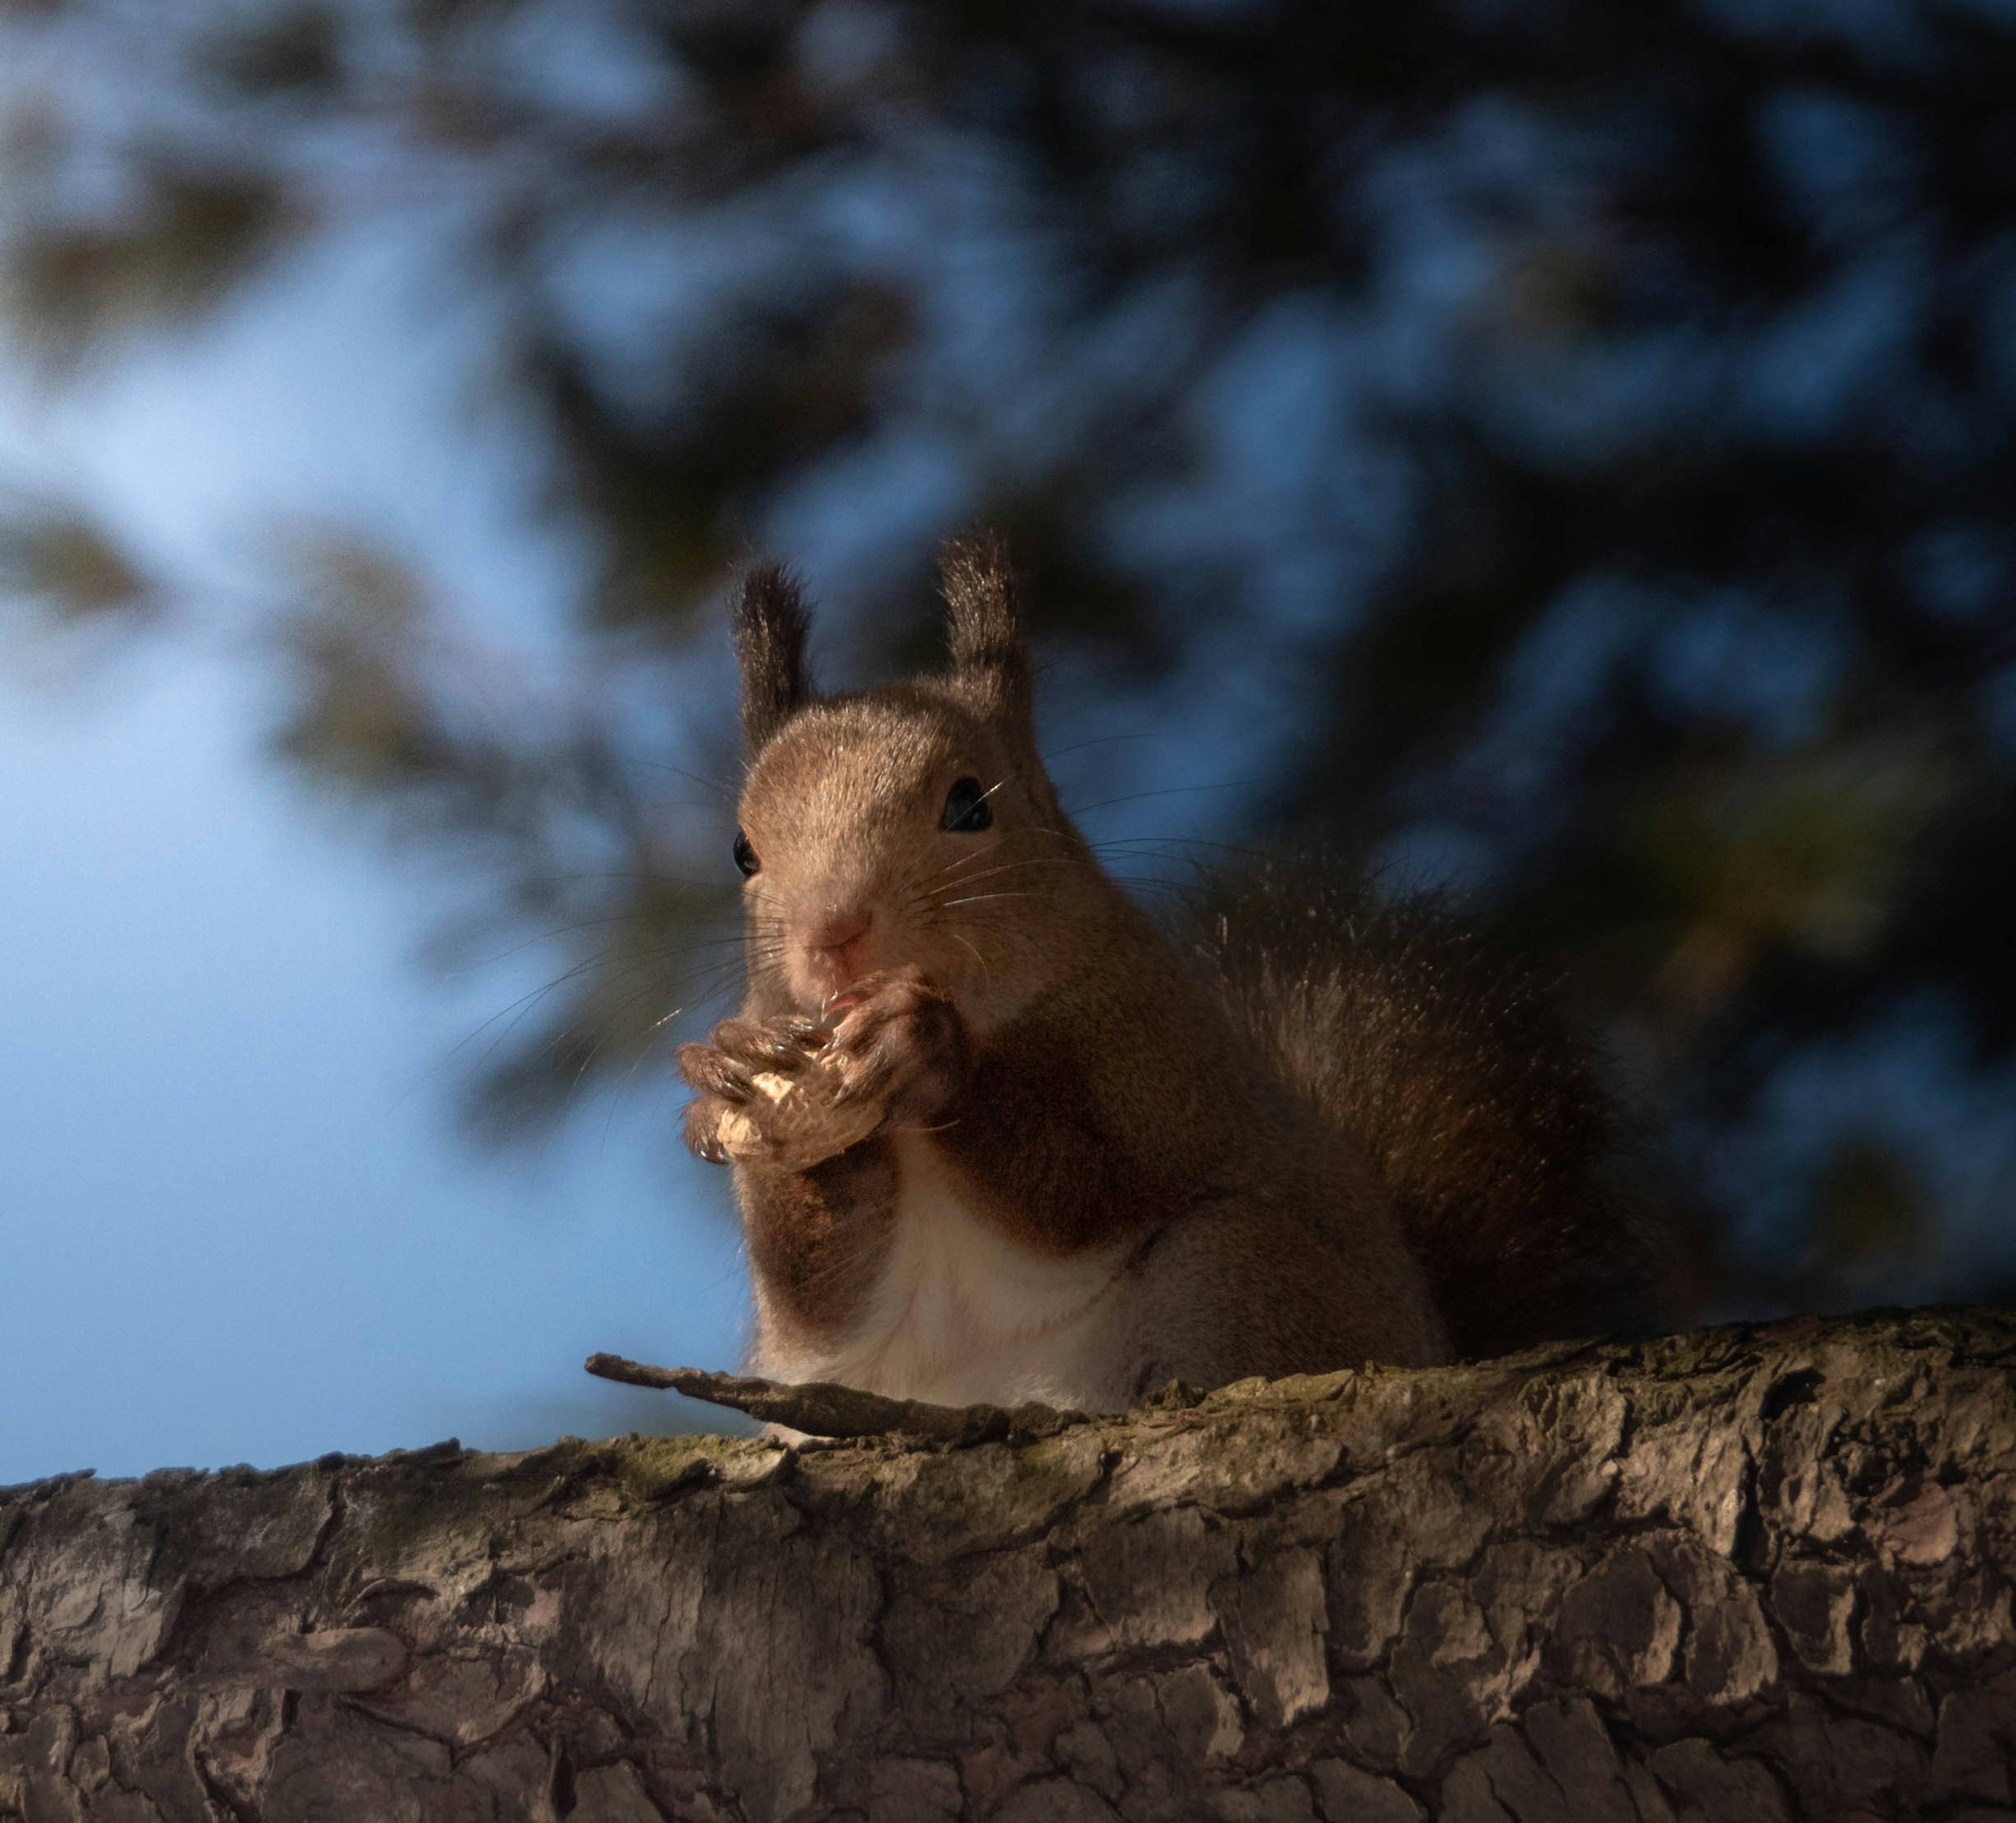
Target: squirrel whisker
[{"x": 976, "y": 956}]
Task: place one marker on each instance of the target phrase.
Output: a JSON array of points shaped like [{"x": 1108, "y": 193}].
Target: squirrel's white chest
[{"x": 964, "y": 1314}]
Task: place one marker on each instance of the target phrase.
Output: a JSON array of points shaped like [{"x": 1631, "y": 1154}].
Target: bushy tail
[{"x": 1483, "y": 1114}]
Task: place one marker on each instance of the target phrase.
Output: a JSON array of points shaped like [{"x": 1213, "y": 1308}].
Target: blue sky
[{"x": 237, "y": 1221}]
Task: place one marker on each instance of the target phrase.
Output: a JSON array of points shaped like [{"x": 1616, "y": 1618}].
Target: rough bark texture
[{"x": 1749, "y": 1574}]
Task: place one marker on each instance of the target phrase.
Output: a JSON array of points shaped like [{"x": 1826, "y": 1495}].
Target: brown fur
[
  {"x": 815, "y": 1246},
  {"x": 983, "y": 632},
  {"x": 1243, "y": 1141},
  {"x": 770, "y": 628},
  {"x": 1483, "y": 1114}
]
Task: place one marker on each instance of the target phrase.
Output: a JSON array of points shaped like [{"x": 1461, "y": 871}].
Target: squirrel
[{"x": 998, "y": 1136}]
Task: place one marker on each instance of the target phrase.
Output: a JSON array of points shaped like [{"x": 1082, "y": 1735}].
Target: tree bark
[{"x": 1746, "y": 1574}]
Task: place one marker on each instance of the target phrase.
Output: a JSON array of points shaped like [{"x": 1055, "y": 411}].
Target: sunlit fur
[{"x": 843, "y": 810}]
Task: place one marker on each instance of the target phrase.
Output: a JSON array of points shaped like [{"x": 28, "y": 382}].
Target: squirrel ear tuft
[
  {"x": 989, "y": 658},
  {"x": 770, "y": 627}
]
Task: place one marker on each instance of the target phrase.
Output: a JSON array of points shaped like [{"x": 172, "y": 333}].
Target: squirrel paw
[
  {"x": 899, "y": 1043},
  {"x": 770, "y": 1094},
  {"x": 790, "y": 1093}
]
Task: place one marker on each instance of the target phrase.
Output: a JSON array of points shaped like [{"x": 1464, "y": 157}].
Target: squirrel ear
[
  {"x": 989, "y": 658},
  {"x": 770, "y": 624}
]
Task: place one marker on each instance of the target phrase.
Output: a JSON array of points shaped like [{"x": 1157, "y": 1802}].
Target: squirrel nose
[{"x": 836, "y": 929}]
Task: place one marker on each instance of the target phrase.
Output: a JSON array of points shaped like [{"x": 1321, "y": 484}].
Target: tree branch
[{"x": 1759, "y": 1574}]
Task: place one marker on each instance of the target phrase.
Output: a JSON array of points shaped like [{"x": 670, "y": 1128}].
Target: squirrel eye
[
  {"x": 967, "y": 809},
  {"x": 745, "y": 856}
]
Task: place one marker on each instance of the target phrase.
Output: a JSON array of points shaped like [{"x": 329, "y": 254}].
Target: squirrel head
[{"x": 912, "y": 825}]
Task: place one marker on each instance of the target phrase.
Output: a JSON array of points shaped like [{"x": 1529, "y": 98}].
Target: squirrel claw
[{"x": 900, "y": 1041}]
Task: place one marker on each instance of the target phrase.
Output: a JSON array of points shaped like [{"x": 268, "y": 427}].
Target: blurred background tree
[{"x": 1566, "y": 452}]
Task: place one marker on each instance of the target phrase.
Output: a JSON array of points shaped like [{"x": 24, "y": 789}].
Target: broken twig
[{"x": 821, "y": 1409}]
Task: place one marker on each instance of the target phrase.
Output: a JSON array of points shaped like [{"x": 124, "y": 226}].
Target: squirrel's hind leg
[{"x": 1220, "y": 1296}]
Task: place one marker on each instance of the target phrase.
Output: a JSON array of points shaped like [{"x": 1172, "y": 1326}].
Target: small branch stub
[{"x": 821, "y": 1409}]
